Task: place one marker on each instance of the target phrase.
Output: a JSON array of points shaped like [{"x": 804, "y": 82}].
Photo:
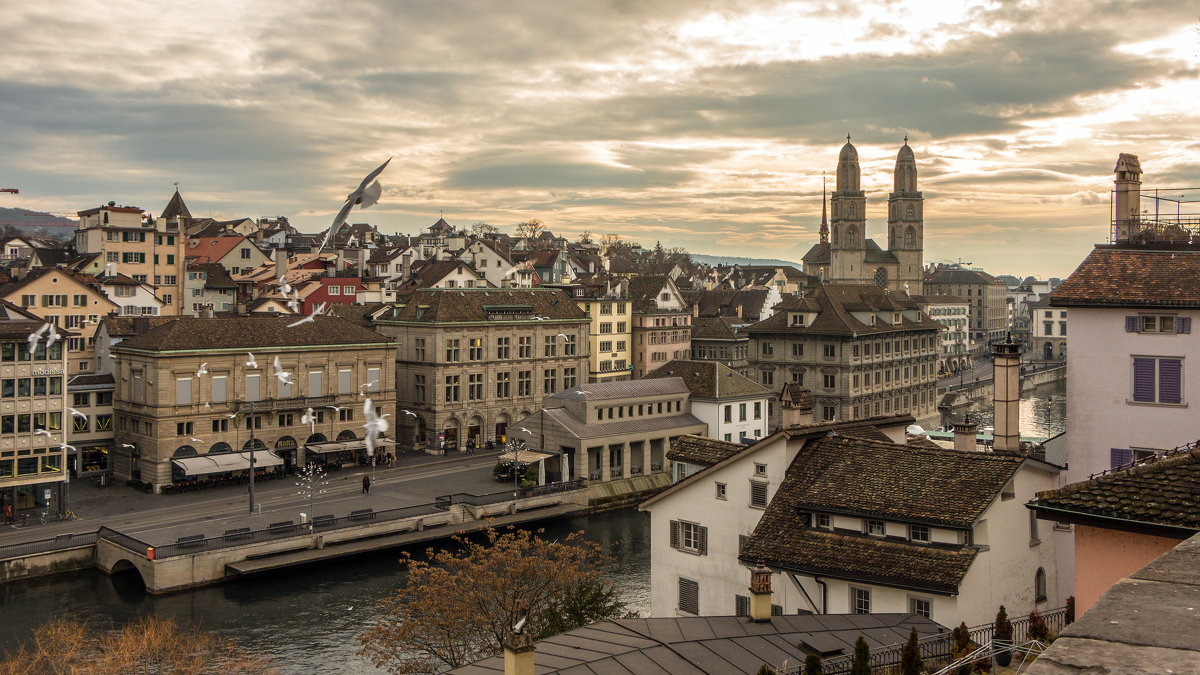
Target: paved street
[{"x": 161, "y": 519}]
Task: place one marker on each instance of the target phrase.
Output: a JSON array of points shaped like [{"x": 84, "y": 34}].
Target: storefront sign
[{"x": 47, "y": 371}]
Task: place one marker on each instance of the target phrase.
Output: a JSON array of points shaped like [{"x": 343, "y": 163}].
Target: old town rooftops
[
  {"x": 1129, "y": 276},
  {"x": 250, "y": 333},
  {"x": 455, "y": 305}
]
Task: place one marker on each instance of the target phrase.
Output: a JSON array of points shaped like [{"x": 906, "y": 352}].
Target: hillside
[
  {"x": 37, "y": 223},
  {"x": 732, "y": 260}
]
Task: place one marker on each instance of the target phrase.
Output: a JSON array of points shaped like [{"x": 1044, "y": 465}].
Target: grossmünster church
[{"x": 846, "y": 255}]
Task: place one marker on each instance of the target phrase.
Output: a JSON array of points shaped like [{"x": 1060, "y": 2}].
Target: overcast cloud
[{"x": 704, "y": 124}]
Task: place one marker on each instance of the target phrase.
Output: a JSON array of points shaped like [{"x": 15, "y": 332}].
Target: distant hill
[
  {"x": 37, "y": 223},
  {"x": 734, "y": 260}
]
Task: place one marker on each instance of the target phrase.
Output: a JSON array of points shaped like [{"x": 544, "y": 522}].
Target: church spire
[{"x": 824, "y": 218}]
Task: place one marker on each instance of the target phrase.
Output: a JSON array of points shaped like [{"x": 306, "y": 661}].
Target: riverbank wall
[{"x": 973, "y": 394}]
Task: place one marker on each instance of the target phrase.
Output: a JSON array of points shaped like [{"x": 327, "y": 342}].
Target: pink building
[
  {"x": 662, "y": 323},
  {"x": 1126, "y": 517}
]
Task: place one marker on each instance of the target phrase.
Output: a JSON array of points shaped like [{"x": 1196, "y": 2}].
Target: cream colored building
[
  {"x": 138, "y": 245},
  {"x": 32, "y": 398},
  {"x": 69, "y": 301},
  {"x": 606, "y": 302},
  {"x": 185, "y": 425}
]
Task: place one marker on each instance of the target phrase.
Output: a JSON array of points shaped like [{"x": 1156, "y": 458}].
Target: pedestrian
[
  {"x": 8, "y": 517},
  {"x": 366, "y": 485}
]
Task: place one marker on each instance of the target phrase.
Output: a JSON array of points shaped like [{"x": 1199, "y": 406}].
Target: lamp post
[{"x": 250, "y": 422}]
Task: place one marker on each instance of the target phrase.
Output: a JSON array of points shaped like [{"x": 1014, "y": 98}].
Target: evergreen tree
[
  {"x": 910, "y": 656},
  {"x": 812, "y": 665},
  {"x": 862, "y": 658}
]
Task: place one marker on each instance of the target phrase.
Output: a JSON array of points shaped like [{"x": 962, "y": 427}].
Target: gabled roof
[
  {"x": 747, "y": 302},
  {"x": 1163, "y": 491},
  {"x": 607, "y": 391},
  {"x": 212, "y": 249},
  {"x": 485, "y": 304},
  {"x": 702, "y": 450},
  {"x": 834, "y": 304},
  {"x": 17, "y": 322},
  {"x": 710, "y": 379},
  {"x": 718, "y": 328},
  {"x": 1130, "y": 276},
  {"x": 126, "y": 326},
  {"x": 251, "y": 332},
  {"x": 960, "y": 275}
]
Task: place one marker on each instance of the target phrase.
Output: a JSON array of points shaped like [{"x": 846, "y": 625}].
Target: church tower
[
  {"x": 906, "y": 222},
  {"x": 848, "y": 247}
]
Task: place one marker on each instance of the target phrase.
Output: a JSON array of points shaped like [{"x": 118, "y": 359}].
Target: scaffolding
[{"x": 1164, "y": 215}]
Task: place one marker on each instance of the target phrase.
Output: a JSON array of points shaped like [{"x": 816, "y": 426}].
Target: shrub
[
  {"x": 1070, "y": 618},
  {"x": 1037, "y": 627},
  {"x": 812, "y": 665},
  {"x": 1002, "y": 629},
  {"x": 910, "y": 656},
  {"x": 862, "y": 658}
]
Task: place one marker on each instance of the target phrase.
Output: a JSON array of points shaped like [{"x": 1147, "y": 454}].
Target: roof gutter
[{"x": 1127, "y": 523}]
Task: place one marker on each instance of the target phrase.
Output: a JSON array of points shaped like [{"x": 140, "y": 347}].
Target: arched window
[
  {"x": 1039, "y": 585},
  {"x": 851, "y": 236},
  {"x": 910, "y": 236},
  {"x": 911, "y": 211},
  {"x": 853, "y": 210}
]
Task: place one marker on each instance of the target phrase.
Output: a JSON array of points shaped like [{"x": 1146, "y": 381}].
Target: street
[{"x": 161, "y": 519}]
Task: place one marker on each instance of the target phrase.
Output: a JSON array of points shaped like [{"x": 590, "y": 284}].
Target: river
[{"x": 307, "y": 619}]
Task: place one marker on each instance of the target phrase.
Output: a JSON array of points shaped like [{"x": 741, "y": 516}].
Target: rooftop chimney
[
  {"x": 760, "y": 594},
  {"x": 518, "y": 654},
  {"x": 1127, "y": 196},
  {"x": 1006, "y": 388},
  {"x": 964, "y": 434}
]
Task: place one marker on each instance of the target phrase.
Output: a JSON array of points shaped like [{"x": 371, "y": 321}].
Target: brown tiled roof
[
  {"x": 251, "y": 332},
  {"x": 695, "y": 449},
  {"x": 710, "y": 379},
  {"x": 212, "y": 249},
  {"x": 1133, "y": 277},
  {"x": 644, "y": 290},
  {"x": 834, "y": 304},
  {"x": 727, "y": 303},
  {"x": 797, "y": 395},
  {"x": 176, "y": 208},
  {"x": 1163, "y": 491},
  {"x": 124, "y": 326},
  {"x": 717, "y": 328},
  {"x": 357, "y": 314},
  {"x": 955, "y": 275},
  {"x": 18, "y": 323},
  {"x": 467, "y": 304},
  {"x": 608, "y": 391},
  {"x": 873, "y": 478}
]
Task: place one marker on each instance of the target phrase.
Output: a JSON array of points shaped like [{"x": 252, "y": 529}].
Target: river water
[{"x": 306, "y": 619}]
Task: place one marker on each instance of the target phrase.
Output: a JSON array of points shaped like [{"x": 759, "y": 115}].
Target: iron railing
[
  {"x": 445, "y": 501},
  {"x": 59, "y": 543}
]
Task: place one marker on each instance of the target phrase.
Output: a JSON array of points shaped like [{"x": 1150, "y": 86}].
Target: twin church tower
[{"x": 846, "y": 255}]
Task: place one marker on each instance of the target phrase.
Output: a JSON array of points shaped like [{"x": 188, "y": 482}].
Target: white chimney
[
  {"x": 518, "y": 654},
  {"x": 1006, "y": 391},
  {"x": 964, "y": 435}
]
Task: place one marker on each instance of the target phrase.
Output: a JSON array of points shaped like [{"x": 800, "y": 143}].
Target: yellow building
[
  {"x": 134, "y": 243},
  {"x": 606, "y": 301},
  {"x": 68, "y": 300}
]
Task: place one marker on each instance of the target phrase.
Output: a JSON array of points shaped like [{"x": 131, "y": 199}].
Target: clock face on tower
[{"x": 881, "y": 277}]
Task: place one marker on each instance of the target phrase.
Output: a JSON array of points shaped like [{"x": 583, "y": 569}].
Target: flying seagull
[
  {"x": 365, "y": 195},
  {"x": 250, "y": 362},
  {"x": 52, "y": 336},
  {"x": 409, "y": 412},
  {"x": 318, "y": 309},
  {"x": 376, "y": 424},
  {"x": 310, "y": 419},
  {"x": 525, "y": 430},
  {"x": 41, "y": 432},
  {"x": 337, "y": 408},
  {"x": 563, "y": 336},
  {"x": 203, "y": 370},
  {"x": 76, "y": 413},
  {"x": 36, "y": 337},
  {"x": 196, "y": 440},
  {"x": 283, "y": 375},
  {"x": 366, "y": 386},
  {"x": 64, "y": 446}
]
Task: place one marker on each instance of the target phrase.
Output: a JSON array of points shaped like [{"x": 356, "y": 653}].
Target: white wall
[
  {"x": 713, "y": 414},
  {"x": 1100, "y": 383},
  {"x": 719, "y": 573}
]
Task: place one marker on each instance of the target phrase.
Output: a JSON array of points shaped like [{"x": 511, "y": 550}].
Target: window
[
  {"x": 286, "y": 419},
  {"x": 219, "y": 393},
  {"x": 335, "y": 290},
  {"x": 419, "y": 388},
  {"x": 768, "y": 348},
  {"x": 920, "y": 532},
  {"x": 721, "y": 491},
  {"x": 606, "y": 328},
  {"x": 758, "y": 494},
  {"x": 741, "y": 412},
  {"x": 549, "y": 380},
  {"x": 768, "y": 377},
  {"x": 689, "y": 537},
  {"x": 1039, "y": 585},
  {"x": 741, "y": 605},
  {"x": 860, "y": 600},
  {"x": 77, "y": 400},
  {"x": 503, "y": 348},
  {"x": 920, "y": 606},
  {"x": 550, "y": 345},
  {"x": 829, "y": 380},
  {"x": 316, "y": 383},
  {"x": 1156, "y": 323},
  {"x": 620, "y": 345},
  {"x": 620, "y": 327},
  {"x": 876, "y": 528},
  {"x": 828, "y": 413},
  {"x": 345, "y": 381},
  {"x": 183, "y": 391},
  {"x": 503, "y": 385},
  {"x": 452, "y": 388},
  {"x": 525, "y": 347},
  {"x": 606, "y": 345},
  {"x": 219, "y": 425},
  {"x": 689, "y": 596},
  {"x": 797, "y": 349},
  {"x": 253, "y": 387},
  {"x": 419, "y": 348},
  {"x": 524, "y": 383},
  {"x": 570, "y": 378},
  {"x": 569, "y": 346},
  {"x": 830, "y": 351},
  {"x": 475, "y": 387},
  {"x": 824, "y": 521},
  {"x": 1033, "y": 528},
  {"x": 1157, "y": 380},
  {"x": 475, "y": 349},
  {"x": 452, "y": 351}
]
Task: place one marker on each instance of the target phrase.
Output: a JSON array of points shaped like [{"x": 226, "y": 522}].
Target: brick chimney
[
  {"x": 1127, "y": 196},
  {"x": 964, "y": 435},
  {"x": 518, "y": 654},
  {"x": 760, "y": 594},
  {"x": 1006, "y": 394}
]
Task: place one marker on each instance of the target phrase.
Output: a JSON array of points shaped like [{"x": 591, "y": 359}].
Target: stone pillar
[
  {"x": 646, "y": 457},
  {"x": 626, "y": 459},
  {"x": 605, "y": 463},
  {"x": 1006, "y": 386}
]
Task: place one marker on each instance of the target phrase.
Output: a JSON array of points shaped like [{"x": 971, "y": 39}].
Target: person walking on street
[
  {"x": 366, "y": 485},
  {"x": 8, "y": 518}
]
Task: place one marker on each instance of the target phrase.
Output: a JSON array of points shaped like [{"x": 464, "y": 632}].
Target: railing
[
  {"x": 285, "y": 529},
  {"x": 934, "y": 647},
  {"x": 445, "y": 501},
  {"x": 59, "y": 543},
  {"x": 122, "y": 540}
]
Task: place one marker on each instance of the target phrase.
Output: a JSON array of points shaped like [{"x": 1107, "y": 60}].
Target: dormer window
[
  {"x": 876, "y": 528},
  {"x": 797, "y": 319},
  {"x": 896, "y": 317}
]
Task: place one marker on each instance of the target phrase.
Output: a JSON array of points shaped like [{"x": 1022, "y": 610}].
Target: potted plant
[
  {"x": 1038, "y": 630},
  {"x": 961, "y": 637},
  {"x": 1002, "y": 633}
]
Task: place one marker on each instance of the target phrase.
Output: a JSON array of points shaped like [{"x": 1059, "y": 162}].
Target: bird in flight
[
  {"x": 231, "y": 415},
  {"x": 64, "y": 446},
  {"x": 366, "y": 386},
  {"x": 310, "y": 419},
  {"x": 196, "y": 440},
  {"x": 203, "y": 370},
  {"x": 283, "y": 375},
  {"x": 365, "y": 195},
  {"x": 526, "y": 430},
  {"x": 76, "y": 413},
  {"x": 36, "y": 337},
  {"x": 318, "y": 309},
  {"x": 376, "y": 425},
  {"x": 337, "y": 408},
  {"x": 563, "y": 336},
  {"x": 52, "y": 336},
  {"x": 409, "y": 412},
  {"x": 250, "y": 362},
  {"x": 41, "y": 432},
  {"x": 128, "y": 445}
]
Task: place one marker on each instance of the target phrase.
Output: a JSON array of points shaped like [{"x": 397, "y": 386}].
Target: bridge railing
[
  {"x": 59, "y": 543},
  {"x": 123, "y": 540}
]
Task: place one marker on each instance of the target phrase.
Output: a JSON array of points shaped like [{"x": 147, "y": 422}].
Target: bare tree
[
  {"x": 531, "y": 228},
  {"x": 482, "y": 229},
  {"x": 585, "y": 237}
]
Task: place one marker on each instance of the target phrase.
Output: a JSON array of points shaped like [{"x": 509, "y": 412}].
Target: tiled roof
[
  {"x": 91, "y": 380},
  {"x": 1162, "y": 491},
  {"x": 16, "y": 322},
  {"x": 607, "y": 391},
  {"x": 717, "y": 328},
  {"x": 710, "y": 379},
  {"x": 956, "y": 275},
  {"x": 834, "y": 304},
  {"x": 251, "y": 332},
  {"x": 126, "y": 326},
  {"x": 748, "y": 303},
  {"x": 685, "y": 422},
  {"x": 1133, "y": 277},
  {"x": 176, "y": 208},
  {"x": 708, "y": 645},
  {"x": 695, "y": 449},
  {"x": 873, "y": 478},
  {"x": 212, "y": 249},
  {"x": 644, "y": 290},
  {"x": 819, "y": 254},
  {"x": 796, "y": 395},
  {"x": 814, "y": 429},
  {"x": 462, "y": 305}
]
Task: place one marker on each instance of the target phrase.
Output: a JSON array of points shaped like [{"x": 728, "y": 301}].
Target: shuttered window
[
  {"x": 758, "y": 494},
  {"x": 689, "y": 596},
  {"x": 741, "y": 605},
  {"x": 1183, "y": 324},
  {"x": 1170, "y": 380},
  {"x": 1120, "y": 457},
  {"x": 1133, "y": 324},
  {"x": 689, "y": 537},
  {"x": 1157, "y": 380}
]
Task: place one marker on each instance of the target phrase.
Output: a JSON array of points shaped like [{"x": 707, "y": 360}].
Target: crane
[{"x": 14, "y": 191}]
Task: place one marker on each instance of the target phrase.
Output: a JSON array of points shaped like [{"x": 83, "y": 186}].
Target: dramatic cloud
[{"x": 703, "y": 124}]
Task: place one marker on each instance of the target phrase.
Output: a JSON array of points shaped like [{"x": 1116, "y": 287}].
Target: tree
[
  {"x": 1003, "y": 628},
  {"x": 147, "y": 645},
  {"x": 862, "y": 658},
  {"x": 910, "y": 656},
  {"x": 482, "y": 229},
  {"x": 457, "y": 606},
  {"x": 585, "y": 237},
  {"x": 1070, "y": 617},
  {"x": 1038, "y": 630},
  {"x": 812, "y": 665},
  {"x": 311, "y": 485},
  {"x": 531, "y": 228}
]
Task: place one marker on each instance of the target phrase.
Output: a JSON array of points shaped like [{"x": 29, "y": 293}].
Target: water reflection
[{"x": 1043, "y": 411}]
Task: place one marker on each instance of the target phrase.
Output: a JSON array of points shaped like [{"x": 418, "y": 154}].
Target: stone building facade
[
  {"x": 198, "y": 388},
  {"x": 471, "y": 362},
  {"x": 986, "y": 296},
  {"x": 662, "y": 323}
]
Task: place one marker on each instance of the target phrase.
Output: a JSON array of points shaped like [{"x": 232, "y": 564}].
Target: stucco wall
[{"x": 1106, "y": 556}]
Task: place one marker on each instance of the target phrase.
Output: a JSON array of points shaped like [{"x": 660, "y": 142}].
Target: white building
[
  {"x": 135, "y": 298},
  {"x": 954, "y": 313},
  {"x": 733, "y": 406},
  {"x": 489, "y": 263},
  {"x": 1048, "y": 330}
]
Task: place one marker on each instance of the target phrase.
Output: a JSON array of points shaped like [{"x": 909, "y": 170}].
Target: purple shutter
[
  {"x": 1170, "y": 376},
  {"x": 1120, "y": 457},
  {"x": 1183, "y": 324},
  {"x": 1132, "y": 324},
  {"x": 1143, "y": 380}
]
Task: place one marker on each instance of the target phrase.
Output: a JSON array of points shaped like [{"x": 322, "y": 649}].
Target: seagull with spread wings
[
  {"x": 36, "y": 337},
  {"x": 250, "y": 362},
  {"x": 284, "y": 376},
  {"x": 76, "y": 413},
  {"x": 365, "y": 195},
  {"x": 376, "y": 425},
  {"x": 310, "y": 419},
  {"x": 318, "y": 309}
]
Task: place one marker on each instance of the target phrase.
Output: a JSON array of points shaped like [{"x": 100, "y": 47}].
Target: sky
[{"x": 702, "y": 124}]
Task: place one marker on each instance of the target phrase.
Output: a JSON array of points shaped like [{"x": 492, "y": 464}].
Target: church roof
[
  {"x": 819, "y": 254},
  {"x": 176, "y": 208},
  {"x": 849, "y": 152}
]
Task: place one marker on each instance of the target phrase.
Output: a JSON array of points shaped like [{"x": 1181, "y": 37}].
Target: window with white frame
[
  {"x": 860, "y": 600},
  {"x": 824, "y": 521},
  {"x": 920, "y": 532},
  {"x": 721, "y": 491},
  {"x": 689, "y": 537},
  {"x": 920, "y": 606},
  {"x": 876, "y": 528}
]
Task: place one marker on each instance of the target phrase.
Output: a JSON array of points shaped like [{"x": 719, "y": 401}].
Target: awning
[
  {"x": 322, "y": 448},
  {"x": 224, "y": 463},
  {"x": 525, "y": 456},
  {"x": 197, "y": 466}
]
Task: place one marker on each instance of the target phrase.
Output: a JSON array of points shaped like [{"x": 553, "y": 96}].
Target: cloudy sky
[{"x": 703, "y": 124}]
